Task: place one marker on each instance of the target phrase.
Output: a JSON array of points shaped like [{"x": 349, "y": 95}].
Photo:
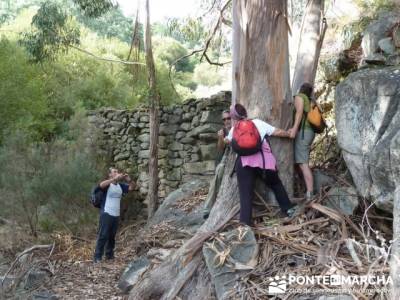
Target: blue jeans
[{"x": 108, "y": 227}]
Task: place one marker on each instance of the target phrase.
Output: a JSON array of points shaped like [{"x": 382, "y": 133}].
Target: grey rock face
[
  {"x": 132, "y": 273},
  {"x": 368, "y": 126},
  {"x": 343, "y": 198},
  {"x": 243, "y": 251},
  {"x": 168, "y": 210},
  {"x": 378, "y": 30}
]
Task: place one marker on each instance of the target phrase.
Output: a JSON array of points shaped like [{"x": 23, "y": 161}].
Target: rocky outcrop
[
  {"x": 380, "y": 40},
  {"x": 368, "y": 129},
  {"x": 187, "y": 140}
]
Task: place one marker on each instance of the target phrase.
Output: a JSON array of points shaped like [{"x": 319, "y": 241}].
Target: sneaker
[{"x": 110, "y": 257}]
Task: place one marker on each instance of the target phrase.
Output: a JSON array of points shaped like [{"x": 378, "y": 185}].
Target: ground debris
[{"x": 320, "y": 241}]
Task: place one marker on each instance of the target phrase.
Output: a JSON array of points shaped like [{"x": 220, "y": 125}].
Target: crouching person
[
  {"x": 113, "y": 190},
  {"x": 249, "y": 138}
]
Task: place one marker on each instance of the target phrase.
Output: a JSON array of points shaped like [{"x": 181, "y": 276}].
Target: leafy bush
[{"x": 46, "y": 184}]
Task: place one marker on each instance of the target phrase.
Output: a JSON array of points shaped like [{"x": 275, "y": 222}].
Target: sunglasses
[{"x": 224, "y": 119}]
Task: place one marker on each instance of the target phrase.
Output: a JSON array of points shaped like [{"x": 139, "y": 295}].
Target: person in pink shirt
[{"x": 249, "y": 167}]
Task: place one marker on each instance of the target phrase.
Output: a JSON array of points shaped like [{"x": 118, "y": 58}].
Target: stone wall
[{"x": 187, "y": 140}]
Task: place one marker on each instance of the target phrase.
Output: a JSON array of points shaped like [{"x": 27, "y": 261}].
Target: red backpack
[{"x": 246, "y": 139}]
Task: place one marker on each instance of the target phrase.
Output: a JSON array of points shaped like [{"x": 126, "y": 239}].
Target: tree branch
[
  {"x": 204, "y": 49},
  {"x": 107, "y": 59}
]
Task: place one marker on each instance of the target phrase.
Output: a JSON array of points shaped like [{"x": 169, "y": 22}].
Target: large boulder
[
  {"x": 378, "y": 30},
  {"x": 171, "y": 211},
  {"x": 368, "y": 129}
]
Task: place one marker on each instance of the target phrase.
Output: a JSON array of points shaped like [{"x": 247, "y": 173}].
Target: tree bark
[
  {"x": 311, "y": 37},
  {"x": 263, "y": 86},
  {"x": 154, "y": 97},
  {"x": 395, "y": 252}
]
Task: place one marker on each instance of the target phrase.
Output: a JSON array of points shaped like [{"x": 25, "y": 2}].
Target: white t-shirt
[
  {"x": 113, "y": 200},
  {"x": 262, "y": 127}
]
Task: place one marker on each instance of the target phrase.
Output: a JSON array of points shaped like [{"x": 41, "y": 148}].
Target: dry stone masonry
[{"x": 187, "y": 140}]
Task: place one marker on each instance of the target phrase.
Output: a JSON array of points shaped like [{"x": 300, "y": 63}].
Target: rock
[
  {"x": 174, "y": 174},
  {"x": 321, "y": 180},
  {"x": 387, "y": 45},
  {"x": 206, "y": 128},
  {"x": 367, "y": 113},
  {"x": 175, "y": 146},
  {"x": 121, "y": 156},
  {"x": 180, "y": 134},
  {"x": 144, "y": 138},
  {"x": 188, "y": 140},
  {"x": 144, "y": 146},
  {"x": 162, "y": 141},
  {"x": 211, "y": 116},
  {"x": 133, "y": 273},
  {"x": 175, "y": 118},
  {"x": 176, "y": 162},
  {"x": 208, "y": 137},
  {"x": 144, "y": 119},
  {"x": 343, "y": 198},
  {"x": 378, "y": 30},
  {"x": 393, "y": 60},
  {"x": 195, "y": 121},
  {"x": 243, "y": 253},
  {"x": 168, "y": 129},
  {"x": 200, "y": 168},
  {"x": 185, "y": 126},
  {"x": 169, "y": 212},
  {"x": 144, "y": 154},
  {"x": 375, "y": 59},
  {"x": 208, "y": 152}
]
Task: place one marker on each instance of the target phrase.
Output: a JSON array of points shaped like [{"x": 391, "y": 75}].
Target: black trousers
[
  {"x": 246, "y": 177},
  {"x": 108, "y": 227}
]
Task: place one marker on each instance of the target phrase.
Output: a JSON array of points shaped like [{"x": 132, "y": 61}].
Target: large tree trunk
[
  {"x": 264, "y": 82},
  {"x": 311, "y": 37},
  {"x": 263, "y": 86},
  {"x": 154, "y": 97},
  {"x": 395, "y": 253}
]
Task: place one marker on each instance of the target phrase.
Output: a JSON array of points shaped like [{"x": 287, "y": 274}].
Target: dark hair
[
  {"x": 240, "y": 110},
  {"x": 306, "y": 89}
]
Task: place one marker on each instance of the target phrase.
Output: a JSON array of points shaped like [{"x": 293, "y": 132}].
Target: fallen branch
[{"x": 36, "y": 247}]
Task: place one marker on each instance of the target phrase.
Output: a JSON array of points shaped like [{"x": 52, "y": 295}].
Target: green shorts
[{"x": 302, "y": 146}]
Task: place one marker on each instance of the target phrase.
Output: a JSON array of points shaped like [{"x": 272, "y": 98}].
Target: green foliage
[
  {"x": 52, "y": 32},
  {"x": 206, "y": 75},
  {"x": 189, "y": 31},
  {"x": 169, "y": 50},
  {"x": 22, "y": 95},
  {"x": 111, "y": 24},
  {"x": 46, "y": 183},
  {"x": 94, "y": 8},
  {"x": 370, "y": 10}
]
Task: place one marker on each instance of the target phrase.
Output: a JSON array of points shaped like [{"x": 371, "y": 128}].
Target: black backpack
[{"x": 97, "y": 196}]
